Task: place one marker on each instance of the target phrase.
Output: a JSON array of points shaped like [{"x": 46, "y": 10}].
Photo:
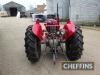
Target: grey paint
[
  {"x": 78, "y": 11},
  {"x": 19, "y": 7},
  {"x": 85, "y": 10},
  {"x": 63, "y": 6}
]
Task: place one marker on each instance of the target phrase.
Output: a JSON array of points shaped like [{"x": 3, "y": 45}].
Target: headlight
[
  {"x": 62, "y": 31},
  {"x": 58, "y": 33}
]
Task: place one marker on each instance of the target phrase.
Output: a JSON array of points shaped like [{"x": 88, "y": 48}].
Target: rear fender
[
  {"x": 37, "y": 30},
  {"x": 70, "y": 29}
]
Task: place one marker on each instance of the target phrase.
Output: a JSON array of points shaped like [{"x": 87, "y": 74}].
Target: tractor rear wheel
[
  {"x": 74, "y": 45},
  {"x": 32, "y": 45}
]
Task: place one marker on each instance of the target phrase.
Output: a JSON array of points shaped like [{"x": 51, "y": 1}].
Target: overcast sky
[{"x": 26, "y": 3}]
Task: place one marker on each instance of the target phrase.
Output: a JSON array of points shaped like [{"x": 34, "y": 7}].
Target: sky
[{"x": 26, "y": 3}]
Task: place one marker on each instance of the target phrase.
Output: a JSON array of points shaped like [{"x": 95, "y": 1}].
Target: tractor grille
[{"x": 52, "y": 28}]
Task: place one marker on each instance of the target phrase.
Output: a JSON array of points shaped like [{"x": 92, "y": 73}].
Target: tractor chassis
[{"x": 54, "y": 50}]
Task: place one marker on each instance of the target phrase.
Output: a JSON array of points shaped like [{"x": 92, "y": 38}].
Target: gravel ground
[
  {"x": 93, "y": 28},
  {"x": 13, "y": 60}
]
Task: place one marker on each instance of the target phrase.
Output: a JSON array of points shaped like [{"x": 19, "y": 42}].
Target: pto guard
[
  {"x": 37, "y": 30},
  {"x": 70, "y": 29}
]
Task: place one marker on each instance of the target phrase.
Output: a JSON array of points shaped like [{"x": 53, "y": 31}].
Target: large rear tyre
[
  {"x": 74, "y": 45},
  {"x": 32, "y": 45}
]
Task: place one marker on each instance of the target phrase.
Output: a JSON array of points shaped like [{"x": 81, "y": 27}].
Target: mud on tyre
[
  {"x": 74, "y": 45},
  {"x": 32, "y": 45}
]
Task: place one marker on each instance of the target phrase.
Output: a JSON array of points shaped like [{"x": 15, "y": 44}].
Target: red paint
[
  {"x": 52, "y": 23},
  {"x": 70, "y": 29},
  {"x": 37, "y": 30}
]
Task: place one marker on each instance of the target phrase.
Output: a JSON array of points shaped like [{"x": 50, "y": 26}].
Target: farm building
[
  {"x": 12, "y": 8},
  {"x": 76, "y": 10},
  {"x": 63, "y": 6}
]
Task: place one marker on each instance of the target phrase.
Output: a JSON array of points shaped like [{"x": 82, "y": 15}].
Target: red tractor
[{"x": 53, "y": 37}]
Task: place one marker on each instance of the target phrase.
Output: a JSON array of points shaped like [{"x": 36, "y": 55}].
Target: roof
[{"x": 12, "y": 4}]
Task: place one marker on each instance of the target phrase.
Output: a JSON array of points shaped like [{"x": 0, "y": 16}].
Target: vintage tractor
[{"x": 53, "y": 37}]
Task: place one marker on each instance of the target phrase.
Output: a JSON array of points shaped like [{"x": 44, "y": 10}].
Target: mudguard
[
  {"x": 70, "y": 29},
  {"x": 37, "y": 30}
]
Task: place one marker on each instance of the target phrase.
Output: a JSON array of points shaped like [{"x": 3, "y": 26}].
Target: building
[
  {"x": 12, "y": 8},
  {"x": 40, "y": 8},
  {"x": 63, "y": 6},
  {"x": 76, "y": 10}
]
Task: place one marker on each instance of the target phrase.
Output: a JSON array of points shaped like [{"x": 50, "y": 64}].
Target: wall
[
  {"x": 85, "y": 10},
  {"x": 50, "y": 8},
  {"x": 63, "y": 6}
]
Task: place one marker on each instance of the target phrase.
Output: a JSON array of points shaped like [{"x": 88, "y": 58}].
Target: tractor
[{"x": 53, "y": 37}]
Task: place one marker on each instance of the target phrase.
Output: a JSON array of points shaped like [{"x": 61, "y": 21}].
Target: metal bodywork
[
  {"x": 54, "y": 36},
  {"x": 37, "y": 30},
  {"x": 69, "y": 27},
  {"x": 40, "y": 17}
]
